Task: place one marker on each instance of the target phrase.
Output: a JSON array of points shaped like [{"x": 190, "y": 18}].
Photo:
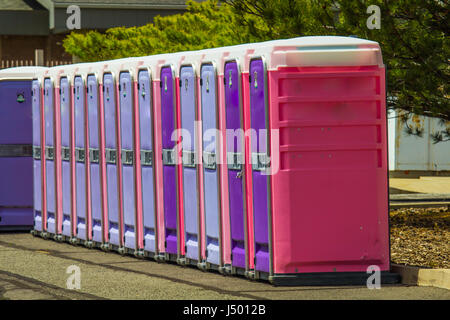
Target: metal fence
[{"x": 21, "y": 63}]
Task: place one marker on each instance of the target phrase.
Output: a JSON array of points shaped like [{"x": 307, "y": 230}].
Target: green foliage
[
  {"x": 204, "y": 25},
  {"x": 279, "y": 19},
  {"x": 413, "y": 37}
]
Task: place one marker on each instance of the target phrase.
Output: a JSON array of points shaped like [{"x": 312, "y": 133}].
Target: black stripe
[{"x": 15, "y": 150}]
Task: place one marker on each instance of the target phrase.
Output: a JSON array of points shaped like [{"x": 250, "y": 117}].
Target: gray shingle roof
[
  {"x": 124, "y": 3},
  {"x": 36, "y": 4},
  {"x": 14, "y": 5}
]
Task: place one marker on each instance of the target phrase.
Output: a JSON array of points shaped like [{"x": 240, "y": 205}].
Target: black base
[
  {"x": 191, "y": 262},
  {"x": 97, "y": 245},
  {"x": 149, "y": 254},
  {"x": 288, "y": 279},
  {"x": 212, "y": 266},
  {"x": 238, "y": 271},
  {"x": 15, "y": 228},
  {"x": 129, "y": 251},
  {"x": 171, "y": 257},
  {"x": 328, "y": 278}
]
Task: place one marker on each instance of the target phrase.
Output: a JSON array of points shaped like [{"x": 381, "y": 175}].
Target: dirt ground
[{"x": 421, "y": 237}]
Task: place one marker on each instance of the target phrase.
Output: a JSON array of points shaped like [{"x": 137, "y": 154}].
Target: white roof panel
[{"x": 21, "y": 73}]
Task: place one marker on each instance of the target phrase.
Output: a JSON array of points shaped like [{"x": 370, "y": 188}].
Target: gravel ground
[{"x": 421, "y": 237}]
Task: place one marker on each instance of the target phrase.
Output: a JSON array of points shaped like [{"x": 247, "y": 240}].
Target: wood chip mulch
[{"x": 420, "y": 237}]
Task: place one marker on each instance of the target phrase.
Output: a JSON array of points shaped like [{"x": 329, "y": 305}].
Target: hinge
[
  {"x": 201, "y": 81},
  {"x": 146, "y": 157},
  {"x": 188, "y": 158},
  {"x": 94, "y": 155},
  {"x": 165, "y": 243},
  {"x": 110, "y": 156},
  {"x": 127, "y": 157},
  {"x": 168, "y": 156},
  {"x": 36, "y": 152},
  {"x": 209, "y": 160}
]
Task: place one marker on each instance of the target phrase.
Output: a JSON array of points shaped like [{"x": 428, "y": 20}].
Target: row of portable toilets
[{"x": 267, "y": 160}]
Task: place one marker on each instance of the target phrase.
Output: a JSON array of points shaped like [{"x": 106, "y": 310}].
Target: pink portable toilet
[
  {"x": 18, "y": 140},
  {"x": 319, "y": 173}
]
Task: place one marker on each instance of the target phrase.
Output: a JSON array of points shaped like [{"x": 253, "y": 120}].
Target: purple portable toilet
[
  {"x": 259, "y": 120},
  {"x": 16, "y": 151},
  {"x": 188, "y": 108},
  {"x": 65, "y": 105},
  {"x": 235, "y": 163},
  {"x": 170, "y": 195},
  {"x": 127, "y": 148},
  {"x": 146, "y": 139},
  {"x": 211, "y": 176},
  {"x": 49, "y": 115},
  {"x": 94, "y": 161},
  {"x": 109, "y": 103},
  {"x": 82, "y": 219},
  {"x": 37, "y": 153}
]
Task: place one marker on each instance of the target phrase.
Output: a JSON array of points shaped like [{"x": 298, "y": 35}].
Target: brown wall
[{"x": 22, "y": 47}]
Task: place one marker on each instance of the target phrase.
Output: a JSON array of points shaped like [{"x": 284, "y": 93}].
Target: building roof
[
  {"x": 180, "y": 4},
  {"x": 41, "y": 17},
  {"x": 19, "y": 5},
  {"x": 124, "y": 3}
]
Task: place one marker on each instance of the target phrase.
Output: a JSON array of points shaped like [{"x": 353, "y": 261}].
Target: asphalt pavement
[{"x": 34, "y": 268}]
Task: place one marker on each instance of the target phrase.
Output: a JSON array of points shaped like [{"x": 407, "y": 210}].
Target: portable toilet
[
  {"x": 16, "y": 148},
  {"x": 319, "y": 179}
]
